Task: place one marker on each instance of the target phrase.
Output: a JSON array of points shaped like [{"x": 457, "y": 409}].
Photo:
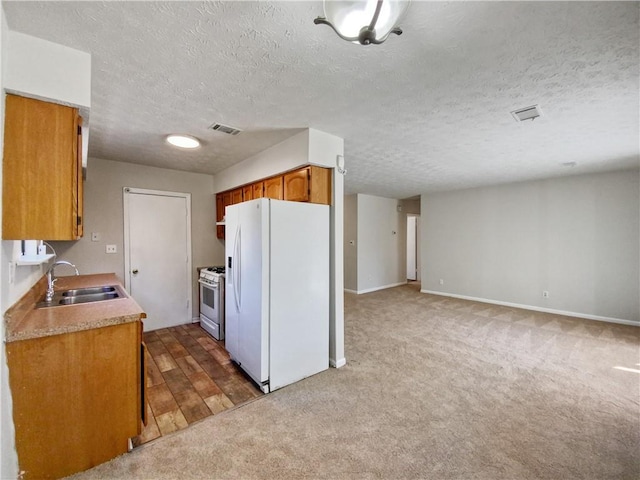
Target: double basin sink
[{"x": 83, "y": 295}]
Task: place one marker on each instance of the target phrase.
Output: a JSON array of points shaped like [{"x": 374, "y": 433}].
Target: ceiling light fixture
[
  {"x": 183, "y": 141},
  {"x": 363, "y": 21}
]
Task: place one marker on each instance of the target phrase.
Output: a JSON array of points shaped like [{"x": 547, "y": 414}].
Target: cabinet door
[
  {"x": 273, "y": 188},
  {"x": 219, "y": 207},
  {"x": 42, "y": 180},
  {"x": 258, "y": 190},
  {"x": 236, "y": 196},
  {"x": 79, "y": 185},
  {"x": 247, "y": 193},
  {"x": 320, "y": 188},
  {"x": 226, "y": 201},
  {"x": 296, "y": 185},
  {"x": 76, "y": 398},
  {"x": 219, "y": 215}
]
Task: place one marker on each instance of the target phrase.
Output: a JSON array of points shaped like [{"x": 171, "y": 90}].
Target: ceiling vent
[
  {"x": 527, "y": 113},
  {"x": 218, "y": 127}
]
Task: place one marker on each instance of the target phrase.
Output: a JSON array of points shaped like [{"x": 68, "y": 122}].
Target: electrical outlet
[
  {"x": 441, "y": 281},
  {"x": 111, "y": 249},
  {"x": 545, "y": 294}
]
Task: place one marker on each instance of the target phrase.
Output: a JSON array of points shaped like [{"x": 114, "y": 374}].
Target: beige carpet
[{"x": 434, "y": 388}]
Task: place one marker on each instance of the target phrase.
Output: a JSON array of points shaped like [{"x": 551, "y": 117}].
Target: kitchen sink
[
  {"x": 83, "y": 295},
  {"x": 86, "y": 298},
  {"x": 88, "y": 291}
]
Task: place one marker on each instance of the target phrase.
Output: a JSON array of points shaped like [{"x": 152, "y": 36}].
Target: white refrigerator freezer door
[
  {"x": 232, "y": 313},
  {"x": 246, "y": 292},
  {"x": 253, "y": 344}
]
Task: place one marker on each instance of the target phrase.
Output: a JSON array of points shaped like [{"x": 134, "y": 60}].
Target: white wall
[
  {"x": 103, "y": 213},
  {"x": 576, "y": 237},
  {"x": 351, "y": 243},
  {"x": 382, "y": 233},
  {"x": 48, "y": 71},
  {"x": 308, "y": 147},
  {"x": 287, "y": 155}
]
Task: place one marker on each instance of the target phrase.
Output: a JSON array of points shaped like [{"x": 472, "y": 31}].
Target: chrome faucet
[{"x": 51, "y": 279}]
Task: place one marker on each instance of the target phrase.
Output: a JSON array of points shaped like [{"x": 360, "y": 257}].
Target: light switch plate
[
  {"x": 111, "y": 249},
  {"x": 95, "y": 236}
]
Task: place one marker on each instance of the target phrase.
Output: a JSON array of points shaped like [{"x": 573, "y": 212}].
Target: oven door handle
[{"x": 213, "y": 286}]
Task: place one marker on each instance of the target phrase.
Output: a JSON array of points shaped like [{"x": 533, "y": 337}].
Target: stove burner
[{"x": 215, "y": 269}]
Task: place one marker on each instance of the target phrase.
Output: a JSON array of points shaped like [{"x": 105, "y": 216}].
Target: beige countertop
[{"x": 23, "y": 321}]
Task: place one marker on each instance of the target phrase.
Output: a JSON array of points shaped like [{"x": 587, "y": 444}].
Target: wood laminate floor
[{"x": 189, "y": 377}]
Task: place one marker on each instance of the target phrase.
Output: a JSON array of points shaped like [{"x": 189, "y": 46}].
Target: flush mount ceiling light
[
  {"x": 183, "y": 141},
  {"x": 363, "y": 21}
]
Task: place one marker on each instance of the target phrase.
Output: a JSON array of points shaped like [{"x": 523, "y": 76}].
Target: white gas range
[{"x": 212, "y": 301}]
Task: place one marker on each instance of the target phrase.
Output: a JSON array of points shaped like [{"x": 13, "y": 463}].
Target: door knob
[{"x": 134, "y": 271}]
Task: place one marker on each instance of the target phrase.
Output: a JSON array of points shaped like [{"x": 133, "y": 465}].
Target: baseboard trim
[
  {"x": 195, "y": 319},
  {"x": 337, "y": 364},
  {"x": 537, "y": 309},
  {"x": 375, "y": 289}
]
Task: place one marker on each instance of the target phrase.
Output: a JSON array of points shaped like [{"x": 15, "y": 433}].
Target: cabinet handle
[{"x": 134, "y": 271}]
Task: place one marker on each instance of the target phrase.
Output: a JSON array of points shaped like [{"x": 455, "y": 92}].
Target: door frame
[{"x": 127, "y": 259}]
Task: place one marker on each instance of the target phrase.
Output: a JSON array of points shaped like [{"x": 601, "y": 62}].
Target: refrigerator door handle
[{"x": 236, "y": 270}]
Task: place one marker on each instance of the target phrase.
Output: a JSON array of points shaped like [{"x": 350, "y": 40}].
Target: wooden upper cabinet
[
  {"x": 273, "y": 188},
  {"x": 42, "y": 171},
  {"x": 258, "y": 190},
  {"x": 226, "y": 201},
  {"x": 223, "y": 199},
  {"x": 79, "y": 201},
  {"x": 219, "y": 214},
  {"x": 309, "y": 184},
  {"x": 219, "y": 207},
  {"x": 236, "y": 196},
  {"x": 247, "y": 193},
  {"x": 296, "y": 185}
]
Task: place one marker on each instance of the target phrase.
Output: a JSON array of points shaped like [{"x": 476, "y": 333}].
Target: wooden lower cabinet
[{"x": 77, "y": 398}]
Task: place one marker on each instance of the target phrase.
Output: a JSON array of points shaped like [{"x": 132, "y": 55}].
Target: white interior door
[
  {"x": 412, "y": 251},
  {"x": 158, "y": 255}
]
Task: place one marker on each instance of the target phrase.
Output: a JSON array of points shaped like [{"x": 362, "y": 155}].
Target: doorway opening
[{"x": 413, "y": 248}]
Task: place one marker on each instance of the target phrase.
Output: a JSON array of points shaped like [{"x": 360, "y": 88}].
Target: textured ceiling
[{"x": 425, "y": 111}]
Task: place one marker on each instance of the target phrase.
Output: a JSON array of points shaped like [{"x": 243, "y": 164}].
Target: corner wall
[
  {"x": 576, "y": 237},
  {"x": 351, "y": 243},
  {"x": 382, "y": 243},
  {"x": 103, "y": 205}
]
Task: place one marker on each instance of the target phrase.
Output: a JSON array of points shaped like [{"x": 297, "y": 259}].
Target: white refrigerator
[{"x": 277, "y": 290}]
